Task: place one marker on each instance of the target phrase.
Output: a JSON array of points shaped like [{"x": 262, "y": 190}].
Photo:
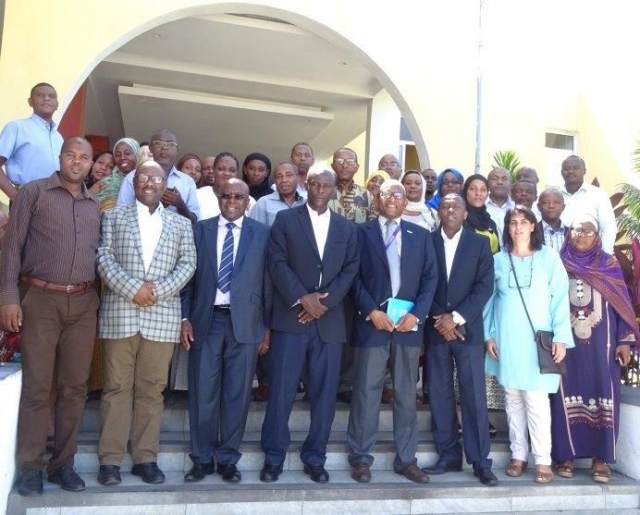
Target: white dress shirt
[
  {"x": 450, "y": 247},
  {"x": 150, "y": 226},
  {"x": 320, "y": 225},
  {"x": 225, "y": 298},
  {"x": 593, "y": 201},
  {"x": 497, "y": 213}
]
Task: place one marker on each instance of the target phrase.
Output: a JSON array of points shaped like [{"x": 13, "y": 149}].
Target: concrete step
[
  {"x": 174, "y": 453},
  {"x": 294, "y": 493},
  {"x": 176, "y": 417}
]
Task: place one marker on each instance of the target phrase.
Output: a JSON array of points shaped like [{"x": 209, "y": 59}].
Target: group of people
[{"x": 315, "y": 279}]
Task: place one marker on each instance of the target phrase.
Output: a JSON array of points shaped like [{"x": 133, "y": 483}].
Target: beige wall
[{"x": 565, "y": 65}]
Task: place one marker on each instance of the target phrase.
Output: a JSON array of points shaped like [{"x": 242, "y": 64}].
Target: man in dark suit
[
  {"x": 313, "y": 259},
  {"x": 225, "y": 309},
  {"x": 455, "y": 331},
  {"x": 397, "y": 261}
]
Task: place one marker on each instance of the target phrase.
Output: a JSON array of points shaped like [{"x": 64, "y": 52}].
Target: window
[{"x": 557, "y": 148}]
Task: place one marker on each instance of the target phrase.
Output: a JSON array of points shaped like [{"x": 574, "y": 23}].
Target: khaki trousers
[
  {"x": 57, "y": 337},
  {"x": 135, "y": 375}
]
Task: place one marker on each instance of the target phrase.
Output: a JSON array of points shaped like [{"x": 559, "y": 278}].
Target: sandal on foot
[
  {"x": 565, "y": 469},
  {"x": 543, "y": 476},
  {"x": 600, "y": 471},
  {"x": 516, "y": 468}
]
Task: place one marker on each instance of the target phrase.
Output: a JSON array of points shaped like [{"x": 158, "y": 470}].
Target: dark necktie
[{"x": 226, "y": 260}]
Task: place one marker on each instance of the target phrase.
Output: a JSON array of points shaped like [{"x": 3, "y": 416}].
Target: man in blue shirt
[
  {"x": 30, "y": 148},
  {"x": 181, "y": 194}
]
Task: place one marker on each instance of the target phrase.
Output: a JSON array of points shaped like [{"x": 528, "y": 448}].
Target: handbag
[{"x": 543, "y": 339}]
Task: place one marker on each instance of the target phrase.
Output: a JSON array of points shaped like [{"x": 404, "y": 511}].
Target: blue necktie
[
  {"x": 226, "y": 260},
  {"x": 393, "y": 257}
]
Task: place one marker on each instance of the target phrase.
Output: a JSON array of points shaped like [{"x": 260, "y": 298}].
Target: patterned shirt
[
  {"x": 553, "y": 238},
  {"x": 352, "y": 203},
  {"x": 52, "y": 236}
]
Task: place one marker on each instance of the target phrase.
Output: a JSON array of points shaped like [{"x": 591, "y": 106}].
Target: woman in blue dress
[{"x": 511, "y": 349}]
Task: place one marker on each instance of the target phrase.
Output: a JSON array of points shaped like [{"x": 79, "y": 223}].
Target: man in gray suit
[
  {"x": 146, "y": 256},
  {"x": 225, "y": 309}
]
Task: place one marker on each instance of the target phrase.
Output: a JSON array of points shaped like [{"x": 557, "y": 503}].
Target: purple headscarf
[{"x": 602, "y": 272}]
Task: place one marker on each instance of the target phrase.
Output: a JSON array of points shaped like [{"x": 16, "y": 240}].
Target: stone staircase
[{"x": 295, "y": 493}]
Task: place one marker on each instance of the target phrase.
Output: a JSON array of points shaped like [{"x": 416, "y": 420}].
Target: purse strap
[{"x": 515, "y": 276}]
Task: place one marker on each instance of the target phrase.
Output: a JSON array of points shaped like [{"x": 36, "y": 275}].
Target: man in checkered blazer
[{"x": 146, "y": 256}]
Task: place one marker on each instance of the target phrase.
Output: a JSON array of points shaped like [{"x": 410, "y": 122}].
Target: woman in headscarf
[
  {"x": 475, "y": 192},
  {"x": 374, "y": 182},
  {"x": 256, "y": 170},
  {"x": 449, "y": 181},
  {"x": 417, "y": 211},
  {"x": 192, "y": 166},
  {"x": 125, "y": 155},
  {"x": 586, "y": 410}
]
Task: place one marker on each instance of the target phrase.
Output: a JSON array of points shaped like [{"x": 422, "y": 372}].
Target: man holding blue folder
[{"x": 393, "y": 292}]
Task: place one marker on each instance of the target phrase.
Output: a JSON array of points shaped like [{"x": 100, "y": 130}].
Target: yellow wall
[{"x": 547, "y": 65}]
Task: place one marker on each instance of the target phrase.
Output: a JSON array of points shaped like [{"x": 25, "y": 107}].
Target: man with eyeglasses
[
  {"x": 351, "y": 201},
  {"x": 146, "y": 256},
  {"x": 225, "y": 324},
  {"x": 180, "y": 195},
  {"x": 397, "y": 265},
  {"x": 390, "y": 164},
  {"x": 499, "y": 201},
  {"x": 313, "y": 259}
]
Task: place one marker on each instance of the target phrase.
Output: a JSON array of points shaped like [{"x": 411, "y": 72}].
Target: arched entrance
[{"x": 241, "y": 77}]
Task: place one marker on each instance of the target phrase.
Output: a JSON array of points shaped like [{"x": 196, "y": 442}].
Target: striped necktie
[{"x": 226, "y": 260}]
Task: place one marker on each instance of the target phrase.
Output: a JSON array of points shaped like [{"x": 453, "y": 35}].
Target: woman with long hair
[{"x": 530, "y": 284}]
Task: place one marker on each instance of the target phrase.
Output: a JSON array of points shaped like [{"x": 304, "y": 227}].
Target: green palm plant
[{"x": 507, "y": 159}]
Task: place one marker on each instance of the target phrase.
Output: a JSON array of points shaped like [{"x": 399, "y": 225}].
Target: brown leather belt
[{"x": 69, "y": 288}]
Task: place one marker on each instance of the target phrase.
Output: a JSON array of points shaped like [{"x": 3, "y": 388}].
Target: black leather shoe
[
  {"x": 109, "y": 475},
  {"x": 149, "y": 472},
  {"x": 30, "y": 482},
  {"x": 68, "y": 479},
  {"x": 442, "y": 467},
  {"x": 317, "y": 473},
  {"x": 229, "y": 473},
  {"x": 199, "y": 471},
  {"x": 270, "y": 473},
  {"x": 486, "y": 477}
]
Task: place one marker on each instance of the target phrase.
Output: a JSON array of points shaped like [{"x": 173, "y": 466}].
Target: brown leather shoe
[
  {"x": 387, "y": 396},
  {"x": 413, "y": 473},
  {"x": 361, "y": 472}
]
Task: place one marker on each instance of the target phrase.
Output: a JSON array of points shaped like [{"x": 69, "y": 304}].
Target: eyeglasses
[
  {"x": 343, "y": 161},
  {"x": 389, "y": 165},
  {"x": 232, "y": 196},
  {"x": 451, "y": 183},
  {"x": 577, "y": 231},
  {"x": 144, "y": 178},
  {"x": 156, "y": 143},
  {"x": 398, "y": 195}
]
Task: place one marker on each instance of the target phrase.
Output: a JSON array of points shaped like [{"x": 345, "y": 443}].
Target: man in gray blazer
[{"x": 146, "y": 256}]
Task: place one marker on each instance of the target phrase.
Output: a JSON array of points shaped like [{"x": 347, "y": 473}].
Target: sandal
[
  {"x": 600, "y": 471},
  {"x": 516, "y": 468},
  {"x": 543, "y": 476},
  {"x": 493, "y": 431},
  {"x": 565, "y": 469}
]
